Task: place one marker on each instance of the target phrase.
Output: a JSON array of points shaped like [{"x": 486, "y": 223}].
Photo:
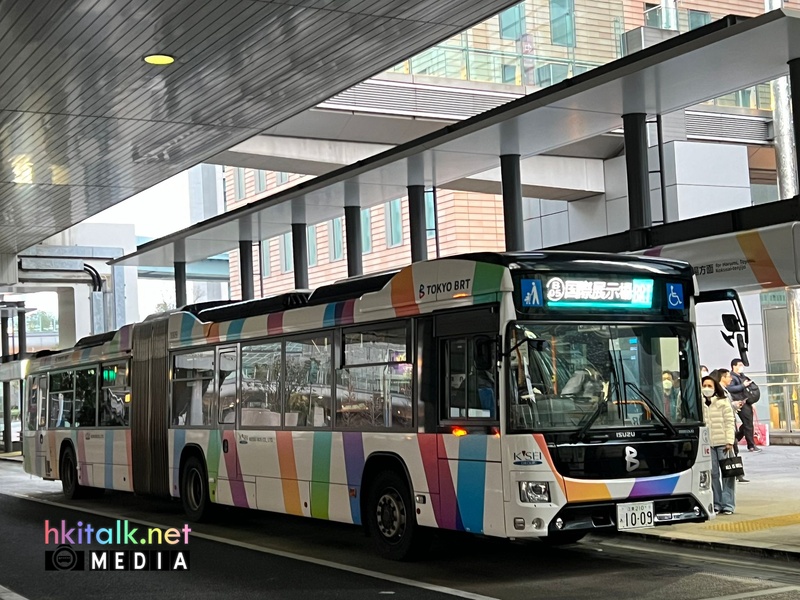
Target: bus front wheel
[
  {"x": 194, "y": 490},
  {"x": 68, "y": 472},
  {"x": 391, "y": 519}
]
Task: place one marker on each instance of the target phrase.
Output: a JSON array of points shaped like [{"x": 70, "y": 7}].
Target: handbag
[
  {"x": 731, "y": 465},
  {"x": 760, "y": 432}
]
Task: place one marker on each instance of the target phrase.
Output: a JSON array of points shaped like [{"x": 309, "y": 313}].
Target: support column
[
  {"x": 416, "y": 222},
  {"x": 179, "y": 268},
  {"x": 512, "y": 202},
  {"x": 22, "y": 337},
  {"x": 352, "y": 229},
  {"x": 794, "y": 92},
  {"x": 300, "y": 252},
  {"x": 7, "y": 447},
  {"x": 180, "y": 283},
  {"x": 636, "y": 163},
  {"x": 246, "y": 269}
]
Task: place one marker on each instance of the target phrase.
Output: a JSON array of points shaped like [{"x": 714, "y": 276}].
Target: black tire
[
  {"x": 564, "y": 537},
  {"x": 194, "y": 490},
  {"x": 68, "y": 473},
  {"x": 392, "y": 520}
]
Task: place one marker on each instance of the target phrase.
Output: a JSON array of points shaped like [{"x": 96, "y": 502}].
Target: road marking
[
  {"x": 746, "y": 595},
  {"x": 692, "y": 553},
  {"x": 755, "y": 524},
  {"x": 290, "y": 555},
  {"x": 7, "y": 594}
]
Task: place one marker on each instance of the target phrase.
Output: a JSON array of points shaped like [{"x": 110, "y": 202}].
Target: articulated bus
[{"x": 516, "y": 395}]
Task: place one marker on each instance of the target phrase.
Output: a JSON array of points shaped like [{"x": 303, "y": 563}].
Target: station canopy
[
  {"x": 722, "y": 57},
  {"x": 85, "y": 123}
]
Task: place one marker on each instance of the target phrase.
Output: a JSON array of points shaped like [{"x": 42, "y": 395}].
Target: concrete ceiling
[
  {"x": 85, "y": 123},
  {"x": 660, "y": 80}
]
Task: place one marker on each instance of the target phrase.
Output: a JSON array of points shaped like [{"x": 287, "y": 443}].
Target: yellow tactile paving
[{"x": 755, "y": 524}]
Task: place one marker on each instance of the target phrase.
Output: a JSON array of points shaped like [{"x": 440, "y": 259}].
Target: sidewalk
[
  {"x": 14, "y": 456},
  {"x": 767, "y": 516}
]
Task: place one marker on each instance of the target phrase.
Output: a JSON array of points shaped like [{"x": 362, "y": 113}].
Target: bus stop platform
[
  {"x": 15, "y": 456},
  {"x": 767, "y": 516}
]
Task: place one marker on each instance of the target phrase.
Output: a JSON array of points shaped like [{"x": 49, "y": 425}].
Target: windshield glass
[{"x": 576, "y": 376}]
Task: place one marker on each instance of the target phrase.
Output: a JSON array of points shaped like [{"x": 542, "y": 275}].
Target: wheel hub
[{"x": 391, "y": 515}]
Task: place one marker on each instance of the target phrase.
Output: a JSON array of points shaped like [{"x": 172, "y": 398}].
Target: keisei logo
[{"x": 421, "y": 291}]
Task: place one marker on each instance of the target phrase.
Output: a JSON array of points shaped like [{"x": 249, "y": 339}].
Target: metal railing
[{"x": 782, "y": 395}]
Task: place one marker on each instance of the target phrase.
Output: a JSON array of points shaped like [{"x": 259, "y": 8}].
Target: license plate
[{"x": 636, "y": 515}]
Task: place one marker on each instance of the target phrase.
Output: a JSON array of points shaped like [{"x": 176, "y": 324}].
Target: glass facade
[{"x": 538, "y": 43}]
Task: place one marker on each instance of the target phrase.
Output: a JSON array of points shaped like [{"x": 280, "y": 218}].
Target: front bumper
[{"x": 603, "y": 515}]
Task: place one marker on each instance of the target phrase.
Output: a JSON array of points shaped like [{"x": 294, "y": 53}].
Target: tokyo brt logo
[{"x": 136, "y": 548}]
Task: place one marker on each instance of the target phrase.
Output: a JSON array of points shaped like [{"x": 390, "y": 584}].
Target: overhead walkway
[{"x": 659, "y": 80}]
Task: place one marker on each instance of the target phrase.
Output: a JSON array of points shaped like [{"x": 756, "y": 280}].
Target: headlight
[
  {"x": 534, "y": 491},
  {"x": 705, "y": 480}
]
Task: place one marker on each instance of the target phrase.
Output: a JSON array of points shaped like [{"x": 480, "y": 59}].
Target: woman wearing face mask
[{"x": 718, "y": 417}]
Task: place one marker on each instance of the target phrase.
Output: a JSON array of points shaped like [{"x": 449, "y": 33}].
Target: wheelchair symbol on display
[{"x": 674, "y": 296}]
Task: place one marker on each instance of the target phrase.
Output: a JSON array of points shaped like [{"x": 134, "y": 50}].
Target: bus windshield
[{"x": 590, "y": 376}]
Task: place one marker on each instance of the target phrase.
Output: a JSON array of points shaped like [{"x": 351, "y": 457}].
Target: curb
[{"x": 772, "y": 553}]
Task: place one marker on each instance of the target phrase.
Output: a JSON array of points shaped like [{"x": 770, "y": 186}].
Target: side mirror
[
  {"x": 731, "y": 323},
  {"x": 742, "y": 345}
]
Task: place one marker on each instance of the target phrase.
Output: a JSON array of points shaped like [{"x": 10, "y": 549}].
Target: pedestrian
[
  {"x": 738, "y": 389},
  {"x": 723, "y": 377},
  {"x": 718, "y": 417},
  {"x": 703, "y": 371}
]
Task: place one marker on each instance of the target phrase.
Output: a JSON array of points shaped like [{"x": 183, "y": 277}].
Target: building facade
[{"x": 717, "y": 156}]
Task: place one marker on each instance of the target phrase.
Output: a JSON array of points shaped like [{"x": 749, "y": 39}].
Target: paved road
[{"x": 252, "y": 554}]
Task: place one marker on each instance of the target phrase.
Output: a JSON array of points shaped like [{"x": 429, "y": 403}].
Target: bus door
[
  {"x": 35, "y": 439},
  {"x": 228, "y": 384},
  {"x": 470, "y": 471}
]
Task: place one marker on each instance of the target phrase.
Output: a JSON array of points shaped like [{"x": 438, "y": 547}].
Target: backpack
[{"x": 752, "y": 393}]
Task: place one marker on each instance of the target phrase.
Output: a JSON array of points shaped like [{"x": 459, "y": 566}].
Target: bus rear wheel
[
  {"x": 391, "y": 520},
  {"x": 194, "y": 490}
]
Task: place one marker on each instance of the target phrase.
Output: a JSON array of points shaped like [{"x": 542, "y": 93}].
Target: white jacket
[{"x": 720, "y": 421}]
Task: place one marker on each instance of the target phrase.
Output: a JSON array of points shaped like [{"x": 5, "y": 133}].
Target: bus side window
[{"x": 471, "y": 388}]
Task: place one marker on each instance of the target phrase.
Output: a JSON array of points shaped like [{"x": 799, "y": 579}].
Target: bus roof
[{"x": 416, "y": 289}]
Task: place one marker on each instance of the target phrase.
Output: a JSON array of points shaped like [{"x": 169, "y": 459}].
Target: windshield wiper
[{"x": 661, "y": 417}]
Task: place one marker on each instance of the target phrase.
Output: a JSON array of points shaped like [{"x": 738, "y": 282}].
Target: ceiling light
[{"x": 159, "y": 59}]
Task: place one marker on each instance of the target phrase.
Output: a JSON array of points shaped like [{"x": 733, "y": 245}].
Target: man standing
[{"x": 737, "y": 389}]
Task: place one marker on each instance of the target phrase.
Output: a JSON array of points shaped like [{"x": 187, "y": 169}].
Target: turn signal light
[{"x": 459, "y": 431}]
